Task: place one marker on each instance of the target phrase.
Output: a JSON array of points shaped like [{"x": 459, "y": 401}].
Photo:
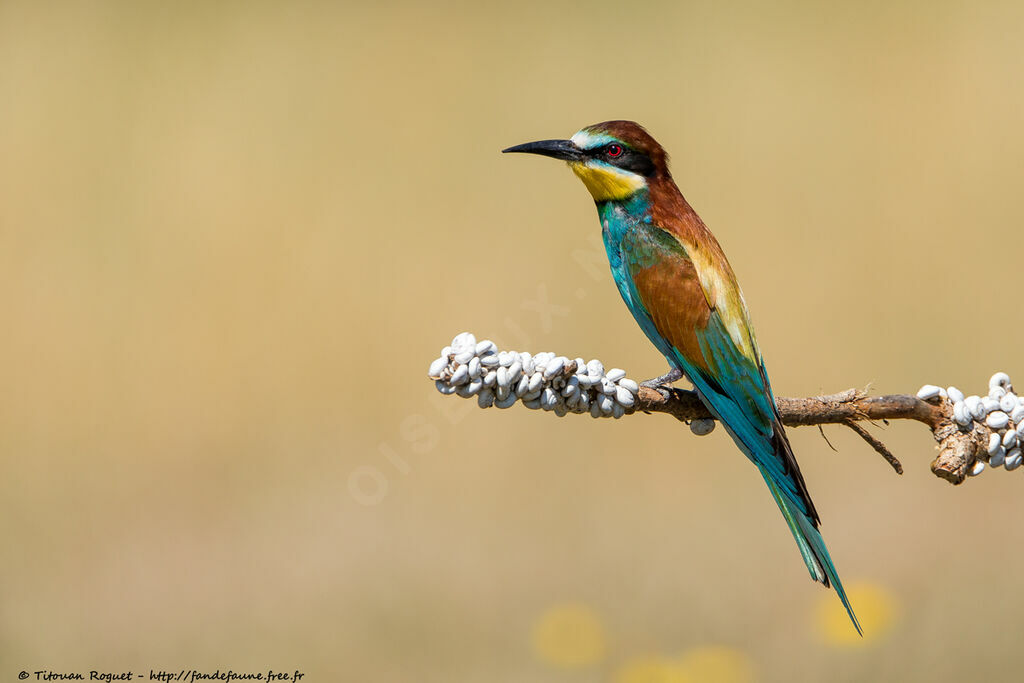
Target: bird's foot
[{"x": 673, "y": 375}]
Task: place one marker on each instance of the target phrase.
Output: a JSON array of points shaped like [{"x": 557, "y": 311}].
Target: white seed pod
[
  {"x": 501, "y": 393},
  {"x": 464, "y": 341},
  {"x": 961, "y": 415},
  {"x": 595, "y": 368},
  {"x": 486, "y": 347},
  {"x": 548, "y": 398},
  {"x": 629, "y": 385},
  {"x": 485, "y": 399},
  {"x": 543, "y": 358},
  {"x": 928, "y": 392},
  {"x": 1000, "y": 379},
  {"x": 554, "y": 367},
  {"x": 1020, "y": 432},
  {"x": 997, "y": 393},
  {"x": 618, "y": 411},
  {"x": 474, "y": 368},
  {"x": 583, "y": 401},
  {"x": 977, "y": 468},
  {"x": 624, "y": 397},
  {"x": 607, "y": 387},
  {"x": 444, "y": 387},
  {"x": 1017, "y": 415},
  {"x": 954, "y": 394},
  {"x": 1008, "y": 402},
  {"x": 615, "y": 374},
  {"x": 581, "y": 366},
  {"x": 1013, "y": 459},
  {"x": 460, "y": 376},
  {"x": 490, "y": 378},
  {"x": 489, "y": 362},
  {"x": 571, "y": 400},
  {"x": 572, "y": 386},
  {"x": 532, "y": 404},
  {"x": 1009, "y": 439},
  {"x": 997, "y": 419},
  {"x": 586, "y": 381},
  {"x": 524, "y": 356},
  {"x": 535, "y": 381},
  {"x": 606, "y": 403},
  {"x": 529, "y": 366},
  {"x": 595, "y": 409},
  {"x": 999, "y": 458},
  {"x": 522, "y": 386},
  {"x": 502, "y": 377},
  {"x": 702, "y": 426},
  {"x": 974, "y": 407},
  {"x": 515, "y": 371},
  {"x": 989, "y": 404},
  {"x": 446, "y": 351},
  {"x": 994, "y": 442},
  {"x": 473, "y": 388},
  {"x": 436, "y": 367},
  {"x": 464, "y": 357},
  {"x": 506, "y": 402},
  {"x": 532, "y": 395}
]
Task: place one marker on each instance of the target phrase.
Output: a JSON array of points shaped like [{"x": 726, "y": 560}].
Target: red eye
[{"x": 614, "y": 151}]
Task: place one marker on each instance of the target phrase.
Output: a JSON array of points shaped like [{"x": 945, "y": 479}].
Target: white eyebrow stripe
[{"x": 586, "y": 140}]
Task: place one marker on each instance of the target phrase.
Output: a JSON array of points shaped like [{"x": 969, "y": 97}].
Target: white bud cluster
[
  {"x": 542, "y": 381},
  {"x": 1000, "y": 414}
]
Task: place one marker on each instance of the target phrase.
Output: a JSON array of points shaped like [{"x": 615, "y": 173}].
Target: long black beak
[{"x": 559, "y": 149}]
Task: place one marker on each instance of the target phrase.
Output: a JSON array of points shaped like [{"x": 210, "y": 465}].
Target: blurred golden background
[{"x": 233, "y": 236}]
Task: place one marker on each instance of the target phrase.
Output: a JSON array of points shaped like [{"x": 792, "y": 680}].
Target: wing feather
[{"x": 708, "y": 335}]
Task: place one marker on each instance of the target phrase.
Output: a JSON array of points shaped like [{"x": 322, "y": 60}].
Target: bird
[{"x": 676, "y": 281}]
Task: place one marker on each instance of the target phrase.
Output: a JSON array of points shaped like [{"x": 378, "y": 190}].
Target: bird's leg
[{"x": 673, "y": 375}]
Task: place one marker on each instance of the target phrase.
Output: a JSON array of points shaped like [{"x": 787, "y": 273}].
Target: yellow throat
[{"x": 607, "y": 183}]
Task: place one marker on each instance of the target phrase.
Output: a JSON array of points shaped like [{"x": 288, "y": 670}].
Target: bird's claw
[
  {"x": 661, "y": 384},
  {"x": 672, "y": 375}
]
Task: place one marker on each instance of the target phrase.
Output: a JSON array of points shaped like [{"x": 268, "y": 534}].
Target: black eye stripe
[{"x": 628, "y": 159}]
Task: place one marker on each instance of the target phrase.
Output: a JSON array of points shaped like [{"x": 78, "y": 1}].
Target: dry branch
[
  {"x": 563, "y": 386},
  {"x": 958, "y": 450}
]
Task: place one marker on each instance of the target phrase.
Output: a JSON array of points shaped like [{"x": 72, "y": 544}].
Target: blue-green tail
[{"x": 812, "y": 546}]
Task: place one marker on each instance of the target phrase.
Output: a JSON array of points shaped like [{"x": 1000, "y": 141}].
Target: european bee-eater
[{"x": 677, "y": 283}]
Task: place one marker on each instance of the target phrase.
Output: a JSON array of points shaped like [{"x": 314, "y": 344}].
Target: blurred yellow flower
[
  {"x": 652, "y": 669},
  {"x": 877, "y": 610},
  {"x": 569, "y": 636},
  {"x": 711, "y": 664},
  {"x": 717, "y": 664}
]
